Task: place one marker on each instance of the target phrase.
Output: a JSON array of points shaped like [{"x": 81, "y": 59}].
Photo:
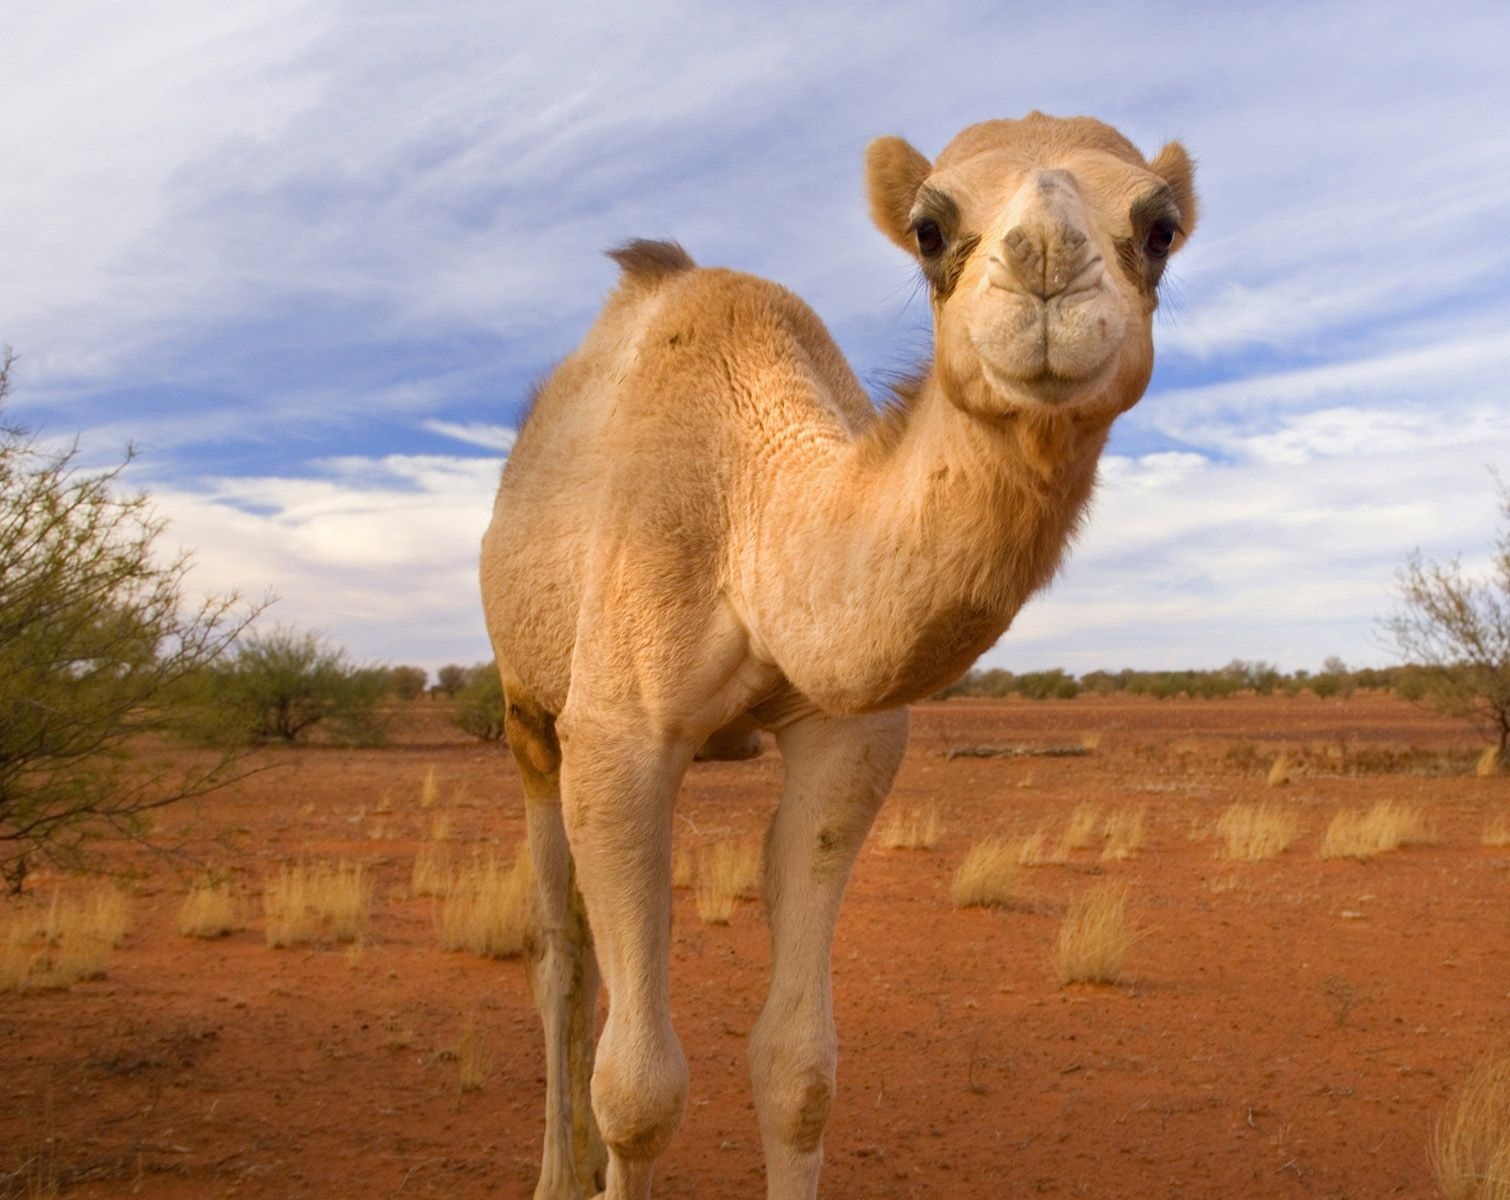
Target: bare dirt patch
[{"x": 1285, "y": 1027}]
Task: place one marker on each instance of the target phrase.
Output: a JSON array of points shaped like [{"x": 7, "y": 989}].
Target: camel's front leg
[
  {"x": 618, "y": 789},
  {"x": 838, "y": 771}
]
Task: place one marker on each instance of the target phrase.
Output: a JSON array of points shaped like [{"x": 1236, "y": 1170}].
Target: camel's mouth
[{"x": 1052, "y": 351}]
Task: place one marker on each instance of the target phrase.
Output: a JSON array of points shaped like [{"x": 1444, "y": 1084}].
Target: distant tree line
[{"x": 1239, "y": 676}]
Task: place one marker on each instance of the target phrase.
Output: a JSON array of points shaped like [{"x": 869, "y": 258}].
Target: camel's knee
[
  {"x": 639, "y": 1103},
  {"x": 794, "y": 1094},
  {"x": 559, "y": 966},
  {"x": 531, "y": 734}
]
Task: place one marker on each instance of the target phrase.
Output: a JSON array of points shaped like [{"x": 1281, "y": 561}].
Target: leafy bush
[
  {"x": 408, "y": 683},
  {"x": 283, "y": 685},
  {"x": 98, "y": 652},
  {"x": 451, "y": 678},
  {"x": 478, "y": 707},
  {"x": 1455, "y": 629}
]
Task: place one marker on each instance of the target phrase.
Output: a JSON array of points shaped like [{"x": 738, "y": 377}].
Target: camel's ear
[
  {"x": 1173, "y": 165},
  {"x": 893, "y": 173}
]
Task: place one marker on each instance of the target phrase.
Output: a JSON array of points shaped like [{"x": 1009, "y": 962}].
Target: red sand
[{"x": 1288, "y": 1028}]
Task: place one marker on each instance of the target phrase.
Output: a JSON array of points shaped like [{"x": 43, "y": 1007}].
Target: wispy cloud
[
  {"x": 382, "y": 552},
  {"x": 476, "y": 433}
]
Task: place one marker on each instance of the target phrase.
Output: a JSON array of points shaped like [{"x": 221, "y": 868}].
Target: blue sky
[{"x": 308, "y": 258}]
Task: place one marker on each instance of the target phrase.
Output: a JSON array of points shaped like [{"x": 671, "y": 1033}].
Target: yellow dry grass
[
  {"x": 1095, "y": 937},
  {"x": 68, "y": 939},
  {"x": 1470, "y": 1144},
  {"x": 474, "y": 1059},
  {"x": 1388, "y": 825},
  {"x": 209, "y": 910},
  {"x": 431, "y": 873},
  {"x": 440, "y": 827},
  {"x": 429, "y": 788},
  {"x": 1125, "y": 832},
  {"x": 315, "y": 902},
  {"x": 486, "y": 910},
  {"x": 1251, "y": 832},
  {"x": 726, "y": 871},
  {"x": 988, "y": 876},
  {"x": 683, "y": 866},
  {"x": 915, "y": 827},
  {"x": 1496, "y": 830},
  {"x": 1080, "y": 833},
  {"x": 1035, "y": 851},
  {"x": 1490, "y": 763},
  {"x": 1279, "y": 771}
]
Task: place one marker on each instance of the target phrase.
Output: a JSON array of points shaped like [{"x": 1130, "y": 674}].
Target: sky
[{"x": 308, "y": 257}]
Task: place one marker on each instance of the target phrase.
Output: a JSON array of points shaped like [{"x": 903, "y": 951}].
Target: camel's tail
[{"x": 646, "y": 261}]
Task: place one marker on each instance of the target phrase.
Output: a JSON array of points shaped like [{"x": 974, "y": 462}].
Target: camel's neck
[{"x": 910, "y": 554}]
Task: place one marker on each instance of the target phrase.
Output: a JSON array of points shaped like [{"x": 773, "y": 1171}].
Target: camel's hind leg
[
  {"x": 838, "y": 771},
  {"x": 562, "y": 968}
]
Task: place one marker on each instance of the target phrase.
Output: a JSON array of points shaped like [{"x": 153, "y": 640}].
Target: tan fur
[{"x": 706, "y": 527}]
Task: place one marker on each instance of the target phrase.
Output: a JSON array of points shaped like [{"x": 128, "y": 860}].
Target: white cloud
[
  {"x": 381, "y": 553},
  {"x": 477, "y": 433},
  {"x": 1189, "y": 562}
]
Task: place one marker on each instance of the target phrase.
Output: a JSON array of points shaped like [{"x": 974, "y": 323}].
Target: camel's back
[{"x": 644, "y": 438}]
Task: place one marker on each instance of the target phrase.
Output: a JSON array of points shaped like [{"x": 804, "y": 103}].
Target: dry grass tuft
[
  {"x": 429, "y": 788},
  {"x": 914, "y": 828},
  {"x": 1279, "y": 771},
  {"x": 1080, "y": 833},
  {"x": 1354, "y": 833},
  {"x": 1496, "y": 830},
  {"x": 1490, "y": 763},
  {"x": 1251, "y": 832},
  {"x": 440, "y": 827},
  {"x": 727, "y": 871},
  {"x": 1199, "y": 827},
  {"x": 431, "y": 875},
  {"x": 1125, "y": 832},
  {"x": 683, "y": 866},
  {"x": 988, "y": 877},
  {"x": 474, "y": 1059},
  {"x": 1470, "y": 1144},
  {"x": 1095, "y": 937},
  {"x": 68, "y": 940},
  {"x": 1035, "y": 851},
  {"x": 312, "y": 902},
  {"x": 486, "y": 910},
  {"x": 209, "y": 910}
]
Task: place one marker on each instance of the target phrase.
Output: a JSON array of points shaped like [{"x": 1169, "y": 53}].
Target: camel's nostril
[
  {"x": 1025, "y": 256},
  {"x": 1045, "y": 257}
]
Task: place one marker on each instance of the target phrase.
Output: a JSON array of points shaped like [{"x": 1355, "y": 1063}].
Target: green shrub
[
  {"x": 478, "y": 706},
  {"x": 283, "y": 685}
]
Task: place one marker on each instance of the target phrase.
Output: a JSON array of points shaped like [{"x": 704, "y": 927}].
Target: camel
[{"x": 706, "y": 530}]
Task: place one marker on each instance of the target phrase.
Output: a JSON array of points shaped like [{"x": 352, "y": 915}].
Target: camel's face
[{"x": 1044, "y": 242}]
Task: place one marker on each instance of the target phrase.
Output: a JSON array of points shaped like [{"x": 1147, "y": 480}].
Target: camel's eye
[
  {"x": 930, "y": 238},
  {"x": 1159, "y": 238}
]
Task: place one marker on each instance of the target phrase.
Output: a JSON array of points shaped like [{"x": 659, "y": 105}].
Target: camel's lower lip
[{"x": 1044, "y": 386}]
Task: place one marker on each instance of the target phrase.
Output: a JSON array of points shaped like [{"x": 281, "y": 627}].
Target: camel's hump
[{"x": 648, "y": 261}]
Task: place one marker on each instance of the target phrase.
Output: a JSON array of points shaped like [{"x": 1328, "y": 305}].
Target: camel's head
[{"x": 1043, "y": 241}]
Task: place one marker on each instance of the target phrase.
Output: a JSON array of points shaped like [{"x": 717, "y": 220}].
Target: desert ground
[{"x": 1282, "y": 1027}]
